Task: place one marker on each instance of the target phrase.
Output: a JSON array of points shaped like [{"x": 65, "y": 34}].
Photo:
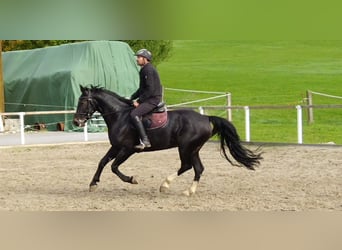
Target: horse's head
[{"x": 86, "y": 107}]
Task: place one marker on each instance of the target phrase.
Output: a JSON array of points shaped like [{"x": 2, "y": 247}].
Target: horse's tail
[{"x": 229, "y": 137}]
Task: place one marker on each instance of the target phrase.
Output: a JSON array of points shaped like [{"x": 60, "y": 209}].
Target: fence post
[
  {"x": 2, "y": 86},
  {"x": 310, "y": 108},
  {"x": 2, "y": 129},
  {"x": 247, "y": 124},
  {"x": 85, "y": 131},
  {"x": 229, "y": 104},
  {"x": 299, "y": 124},
  {"x": 22, "y": 128}
]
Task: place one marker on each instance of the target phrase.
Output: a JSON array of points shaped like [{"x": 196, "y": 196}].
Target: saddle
[{"x": 157, "y": 118}]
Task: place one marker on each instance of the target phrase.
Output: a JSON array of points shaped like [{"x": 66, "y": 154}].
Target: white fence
[
  {"x": 309, "y": 98},
  {"x": 247, "y": 110},
  {"x": 218, "y": 95},
  {"x": 22, "y": 115}
]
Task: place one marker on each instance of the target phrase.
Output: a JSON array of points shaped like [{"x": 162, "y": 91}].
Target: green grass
[{"x": 262, "y": 73}]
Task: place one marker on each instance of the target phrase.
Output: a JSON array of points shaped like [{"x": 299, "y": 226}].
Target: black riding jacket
[{"x": 150, "y": 88}]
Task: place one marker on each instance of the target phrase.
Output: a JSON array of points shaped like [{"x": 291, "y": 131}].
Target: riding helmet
[{"x": 144, "y": 53}]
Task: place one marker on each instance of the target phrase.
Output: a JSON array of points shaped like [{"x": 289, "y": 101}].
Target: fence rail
[
  {"x": 247, "y": 109},
  {"x": 309, "y": 99},
  {"x": 322, "y": 106},
  {"x": 22, "y": 115},
  {"x": 227, "y": 95},
  {"x": 201, "y": 109}
]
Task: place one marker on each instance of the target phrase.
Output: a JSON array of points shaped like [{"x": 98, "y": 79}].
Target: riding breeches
[{"x": 143, "y": 109}]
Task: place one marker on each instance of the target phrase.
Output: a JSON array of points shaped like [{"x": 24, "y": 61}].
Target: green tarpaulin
[{"x": 48, "y": 78}]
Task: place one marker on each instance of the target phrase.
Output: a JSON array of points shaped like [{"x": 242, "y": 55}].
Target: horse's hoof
[
  {"x": 134, "y": 180},
  {"x": 192, "y": 189},
  {"x": 164, "y": 187},
  {"x": 188, "y": 193},
  {"x": 92, "y": 188}
]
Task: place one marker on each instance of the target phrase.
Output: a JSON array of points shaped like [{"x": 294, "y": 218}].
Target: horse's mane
[{"x": 115, "y": 95}]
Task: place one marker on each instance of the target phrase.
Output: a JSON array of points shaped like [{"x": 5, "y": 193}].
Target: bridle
[{"x": 90, "y": 103}]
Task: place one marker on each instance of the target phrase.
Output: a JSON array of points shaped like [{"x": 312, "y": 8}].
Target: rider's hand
[{"x": 135, "y": 103}]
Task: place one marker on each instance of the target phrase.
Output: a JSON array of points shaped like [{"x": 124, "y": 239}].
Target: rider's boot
[{"x": 144, "y": 141}]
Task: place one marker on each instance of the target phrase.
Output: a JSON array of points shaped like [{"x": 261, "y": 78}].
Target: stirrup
[{"x": 142, "y": 145}]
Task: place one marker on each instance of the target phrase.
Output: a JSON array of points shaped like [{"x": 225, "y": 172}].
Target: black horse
[{"x": 185, "y": 129}]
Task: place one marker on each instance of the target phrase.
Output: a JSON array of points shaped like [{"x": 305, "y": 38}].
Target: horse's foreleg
[
  {"x": 122, "y": 156},
  {"x": 111, "y": 154}
]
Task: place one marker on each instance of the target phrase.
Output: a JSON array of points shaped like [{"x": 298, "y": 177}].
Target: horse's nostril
[{"x": 77, "y": 122}]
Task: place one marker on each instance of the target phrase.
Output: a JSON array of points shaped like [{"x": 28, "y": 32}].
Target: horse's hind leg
[
  {"x": 185, "y": 166},
  {"x": 187, "y": 163},
  {"x": 165, "y": 185},
  {"x": 110, "y": 155},
  {"x": 198, "y": 168}
]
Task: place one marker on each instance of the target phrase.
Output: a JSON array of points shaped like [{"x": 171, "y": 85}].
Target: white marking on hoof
[
  {"x": 164, "y": 187},
  {"x": 186, "y": 193},
  {"x": 134, "y": 180},
  {"x": 192, "y": 189},
  {"x": 166, "y": 183},
  {"x": 92, "y": 188}
]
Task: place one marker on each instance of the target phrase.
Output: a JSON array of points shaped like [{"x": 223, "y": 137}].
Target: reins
[{"x": 90, "y": 102}]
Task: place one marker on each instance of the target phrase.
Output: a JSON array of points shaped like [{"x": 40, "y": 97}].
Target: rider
[{"x": 147, "y": 97}]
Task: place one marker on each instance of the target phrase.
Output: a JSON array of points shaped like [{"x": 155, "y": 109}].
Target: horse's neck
[
  {"x": 109, "y": 104},
  {"x": 111, "y": 108}
]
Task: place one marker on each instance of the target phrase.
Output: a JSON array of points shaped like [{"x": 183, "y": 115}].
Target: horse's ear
[{"x": 82, "y": 88}]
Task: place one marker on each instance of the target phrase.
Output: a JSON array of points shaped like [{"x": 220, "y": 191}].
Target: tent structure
[{"x": 48, "y": 78}]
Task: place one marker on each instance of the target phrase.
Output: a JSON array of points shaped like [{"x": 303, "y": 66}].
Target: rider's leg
[
  {"x": 136, "y": 115},
  {"x": 144, "y": 141}
]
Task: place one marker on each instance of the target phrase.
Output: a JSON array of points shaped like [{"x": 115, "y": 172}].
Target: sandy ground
[{"x": 53, "y": 178}]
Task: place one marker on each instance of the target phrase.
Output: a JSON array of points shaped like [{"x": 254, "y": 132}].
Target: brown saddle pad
[{"x": 155, "y": 120}]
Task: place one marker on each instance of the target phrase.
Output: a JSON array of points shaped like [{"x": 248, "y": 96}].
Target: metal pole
[
  {"x": 247, "y": 124},
  {"x": 299, "y": 124}
]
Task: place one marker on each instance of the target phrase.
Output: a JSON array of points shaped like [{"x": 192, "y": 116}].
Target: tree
[
  {"x": 161, "y": 49},
  {"x": 10, "y": 45}
]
